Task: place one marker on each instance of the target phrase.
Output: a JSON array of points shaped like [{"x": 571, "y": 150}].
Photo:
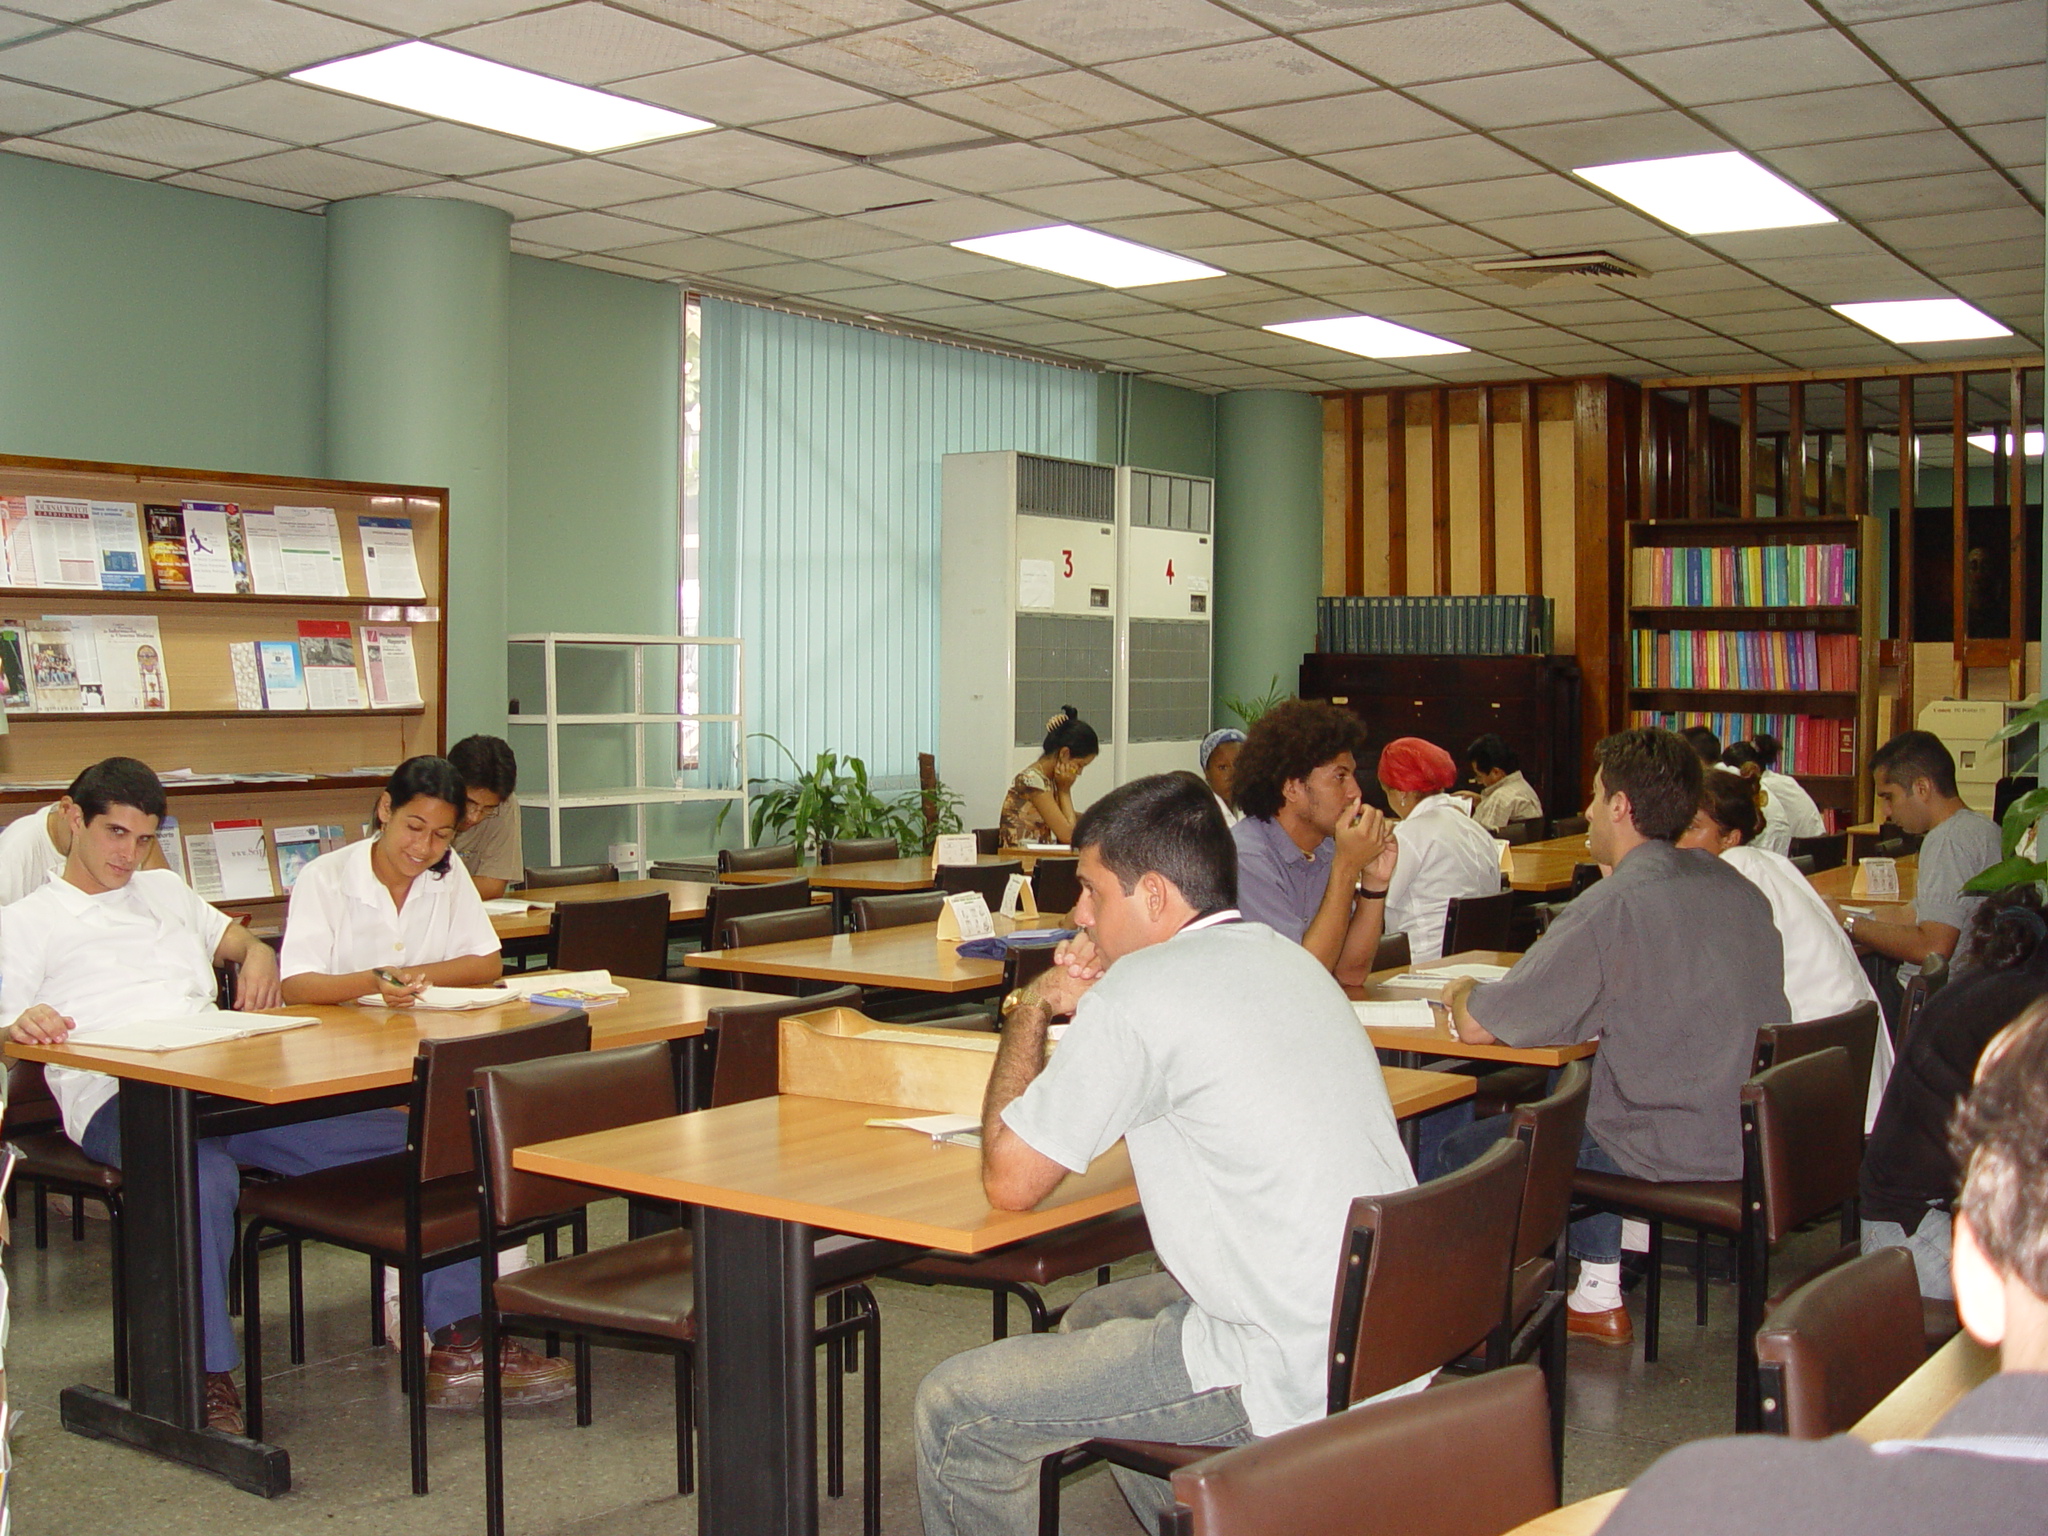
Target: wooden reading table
[
  {"x": 1410, "y": 1045},
  {"x": 1835, "y": 884},
  {"x": 1546, "y": 867},
  {"x": 912, "y": 957},
  {"x": 770, "y": 1176},
  {"x": 874, "y": 876}
]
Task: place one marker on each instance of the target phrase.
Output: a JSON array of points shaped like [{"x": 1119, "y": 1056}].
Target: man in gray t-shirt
[
  {"x": 487, "y": 841},
  {"x": 1230, "y": 1065}
]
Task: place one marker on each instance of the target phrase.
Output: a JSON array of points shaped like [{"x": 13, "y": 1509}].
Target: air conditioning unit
[{"x": 1164, "y": 620}]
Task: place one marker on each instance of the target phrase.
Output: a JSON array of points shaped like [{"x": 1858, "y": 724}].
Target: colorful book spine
[
  {"x": 1770, "y": 660},
  {"x": 1745, "y": 576}
]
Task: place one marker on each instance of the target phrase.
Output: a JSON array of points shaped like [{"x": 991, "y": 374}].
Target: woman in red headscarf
[{"x": 1443, "y": 853}]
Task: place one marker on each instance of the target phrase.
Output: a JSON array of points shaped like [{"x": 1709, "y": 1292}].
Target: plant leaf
[
  {"x": 2004, "y": 876},
  {"x": 2019, "y": 816}
]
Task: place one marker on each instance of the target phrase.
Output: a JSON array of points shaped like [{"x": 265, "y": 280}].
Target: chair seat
[
  {"x": 51, "y": 1157},
  {"x": 1714, "y": 1205},
  {"x": 645, "y": 1286},
  {"x": 1041, "y": 1261},
  {"x": 363, "y": 1204},
  {"x": 1156, "y": 1457},
  {"x": 1938, "y": 1320}
]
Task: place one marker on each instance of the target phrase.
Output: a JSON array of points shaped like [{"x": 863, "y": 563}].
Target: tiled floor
[{"x": 341, "y": 1417}]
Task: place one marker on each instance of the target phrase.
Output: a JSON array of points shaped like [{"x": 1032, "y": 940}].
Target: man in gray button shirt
[{"x": 1672, "y": 963}]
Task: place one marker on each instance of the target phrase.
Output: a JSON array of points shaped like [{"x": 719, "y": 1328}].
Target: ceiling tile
[
  {"x": 825, "y": 239},
  {"x": 257, "y": 34},
  {"x": 1623, "y": 26},
  {"x": 1864, "y": 160},
  {"x": 14, "y": 26},
  {"x": 299, "y": 114},
  {"x": 91, "y": 159},
  {"x": 1175, "y": 144},
  {"x": 2010, "y": 144},
  {"x": 917, "y": 263},
  {"x": 1563, "y": 93},
  {"x": 1000, "y": 168},
  {"x": 694, "y": 255},
  {"x": 1263, "y": 181},
  {"x": 1051, "y": 333},
  {"x": 1848, "y": 279},
  {"x": 447, "y": 149},
  {"x": 1818, "y": 117},
  {"x": 200, "y": 181},
  {"x": 316, "y": 173},
  {"x": 1758, "y": 66},
  {"x": 727, "y": 158},
  {"x": 1255, "y": 73},
  {"x": 1359, "y": 120},
  {"x": 1430, "y": 242},
  {"x": 163, "y": 140},
  {"x": 1178, "y": 231},
  {"x": 67, "y": 10},
  {"x": 1108, "y": 307},
  {"x": 1002, "y": 281},
  {"x": 1445, "y": 44},
  {"x": 710, "y": 213},
  {"x": 588, "y": 43},
  {"x": 491, "y": 197},
  {"x": 806, "y": 279},
  {"x": 1508, "y": 198},
  {"x": 112, "y": 68},
  {"x": 411, "y": 19},
  {"x": 1091, "y": 33},
  {"x": 887, "y": 128},
  {"x": 1055, "y": 103},
  {"x": 31, "y": 109},
  {"x": 951, "y": 218},
  {"x": 1583, "y": 230},
  {"x": 1263, "y": 257},
  {"x": 742, "y": 90},
  {"x": 1344, "y": 215},
  {"x": 1086, "y": 201},
  {"x": 2035, "y": 179},
  {"x": 1433, "y": 162},
  {"x": 935, "y": 53},
  {"x": 1991, "y": 96},
  {"x": 584, "y": 231},
  {"x": 847, "y": 189},
  {"x": 2007, "y": 223},
  {"x": 537, "y": 249},
  {"x": 1982, "y": 37},
  {"x": 776, "y": 23},
  {"x": 1965, "y": 192},
  {"x": 1635, "y": 136},
  {"x": 581, "y": 183}
]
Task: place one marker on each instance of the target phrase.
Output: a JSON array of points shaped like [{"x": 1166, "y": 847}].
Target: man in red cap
[{"x": 1440, "y": 851}]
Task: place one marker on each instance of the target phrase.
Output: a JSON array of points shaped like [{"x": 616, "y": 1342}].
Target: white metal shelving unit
[{"x": 639, "y": 794}]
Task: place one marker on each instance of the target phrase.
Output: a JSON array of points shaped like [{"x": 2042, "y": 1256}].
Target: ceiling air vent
[{"x": 1580, "y": 269}]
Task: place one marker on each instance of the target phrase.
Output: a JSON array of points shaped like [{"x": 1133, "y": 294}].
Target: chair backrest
[
  {"x": 1919, "y": 991},
  {"x": 988, "y": 840},
  {"x": 746, "y": 1043},
  {"x": 776, "y": 928},
  {"x": 1024, "y": 963},
  {"x": 772, "y": 856},
  {"x": 1802, "y": 1131},
  {"x": 1568, "y": 826},
  {"x": 1405, "y": 1465},
  {"x": 1584, "y": 878},
  {"x": 1828, "y": 850},
  {"x": 1479, "y": 922},
  {"x": 1835, "y": 1346},
  {"x": 1551, "y": 1128},
  {"x": 854, "y": 850},
  {"x": 556, "y": 1096},
  {"x": 723, "y": 903},
  {"x": 1891, "y": 848},
  {"x": 989, "y": 879},
  {"x": 569, "y": 874},
  {"x": 628, "y": 937},
  {"x": 1528, "y": 830},
  {"x": 1393, "y": 950},
  {"x": 872, "y": 912},
  {"x": 1805, "y": 864},
  {"x": 1854, "y": 1030},
  {"x": 1056, "y": 884},
  {"x": 1425, "y": 1274},
  {"x": 438, "y": 1134}
]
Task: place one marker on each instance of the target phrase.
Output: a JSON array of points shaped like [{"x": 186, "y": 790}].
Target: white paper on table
[
  {"x": 118, "y": 538},
  {"x": 66, "y": 553},
  {"x": 390, "y": 565},
  {"x": 447, "y": 999},
  {"x": 513, "y": 906},
  {"x": 1035, "y": 580},
  {"x": 311, "y": 542},
  {"x": 1477, "y": 970},
  {"x": 206, "y": 547},
  {"x": 266, "y": 553},
  {"x": 244, "y": 860},
  {"x": 1397, "y": 1015},
  {"x": 388, "y": 664},
  {"x": 203, "y": 861},
  {"x": 1417, "y": 981},
  {"x": 212, "y": 1027},
  {"x": 955, "y": 848},
  {"x": 596, "y": 983},
  {"x": 961, "y": 1130}
]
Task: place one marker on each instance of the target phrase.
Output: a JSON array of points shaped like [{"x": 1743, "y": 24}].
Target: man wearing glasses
[{"x": 487, "y": 841}]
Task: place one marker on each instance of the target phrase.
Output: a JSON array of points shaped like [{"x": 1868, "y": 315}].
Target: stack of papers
[
  {"x": 1475, "y": 970},
  {"x": 448, "y": 999},
  {"x": 1402, "y": 1015},
  {"x": 211, "y": 1028},
  {"x": 960, "y": 1130},
  {"x": 514, "y": 906},
  {"x": 586, "y": 983}
]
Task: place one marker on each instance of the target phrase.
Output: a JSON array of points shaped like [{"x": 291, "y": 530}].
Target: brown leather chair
[
  {"x": 1528, "y": 830},
  {"x": 1920, "y": 990},
  {"x": 1479, "y": 922},
  {"x": 628, "y": 937},
  {"x": 776, "y": 928},
  {"x": 1839, "y": 1343},
  {"x": 1854, "y": 1030},
  {"x": 569, "y": 874},
  {"x": 988, "y": 840},
  {"x": 912, "y": 907},
  {"x": 1393, "y": 951},
  {"x": 1828, "y": 850},
  {"x": 742, "y": 1043},
  {"x": 1056, "y": 885},
  {"x": 857, "y": 850},
  {"x": 1568, "y": 826},
  {"x": 725, "y": 902},
  {"x": 1424, "y": 1281},
  {"x": 1584, "y": 878},
  {"x": 989, "y": 879},
  {"x": 1802, "y": 1147},
  {"x": 776, "y": 856},
  {"x": 414, "y": 1210},
  {"x": 1410, "y": 1462}
]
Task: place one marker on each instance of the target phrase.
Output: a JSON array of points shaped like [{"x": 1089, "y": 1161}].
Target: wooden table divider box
[{"x": 835, "y": 1054}]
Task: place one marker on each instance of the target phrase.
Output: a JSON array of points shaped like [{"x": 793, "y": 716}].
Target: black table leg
[
  {"x": 165, "y": 1412},
  {"x": 757, "y": 1396}
]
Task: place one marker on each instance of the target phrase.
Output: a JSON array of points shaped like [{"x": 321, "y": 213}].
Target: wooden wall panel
[
  {"x": 1465, "y": 533},
  {"x": 1340, "y": 451}
]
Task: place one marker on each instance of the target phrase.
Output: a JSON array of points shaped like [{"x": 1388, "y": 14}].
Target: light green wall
[
  {"x": 1155, "y": 426},
  {"x": 147, "y": 324},
  {"x": 1269, "y": 532}
]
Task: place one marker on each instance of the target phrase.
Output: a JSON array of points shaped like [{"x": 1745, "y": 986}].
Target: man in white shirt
[
  {"x": 1234, "y": 1071},
  {"x": 33, "y": 847},
  {"x": 1440, "y": 852},
  {"x": 1504, "y": 795},
  {"x": 1801, "y": 813}
]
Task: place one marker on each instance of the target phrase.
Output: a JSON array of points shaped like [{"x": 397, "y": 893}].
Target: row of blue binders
[{"x": 1508, "y": 625}]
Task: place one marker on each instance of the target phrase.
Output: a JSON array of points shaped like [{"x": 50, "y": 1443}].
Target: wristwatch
[{"x": 1016, "y": 999}]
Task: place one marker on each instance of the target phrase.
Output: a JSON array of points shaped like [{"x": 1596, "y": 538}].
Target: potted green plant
[
  {"x": 1249, "y": 709},
  {"x": 833, "y": 799}
]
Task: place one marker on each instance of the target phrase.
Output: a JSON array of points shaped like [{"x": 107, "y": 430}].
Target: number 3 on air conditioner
[{"x": 1068, "y": 556}]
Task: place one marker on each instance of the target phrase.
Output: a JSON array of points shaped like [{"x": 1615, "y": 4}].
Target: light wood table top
[
  {"x": 1833, "y": 884},
  {"x": 1540, "y": 868},
  {"x": 352, "y": 1048},
  {"x": 1437, "y": 1041},
  {"x": 686, "y": 901},
  {"x": 1917, "y": 1404},
  {"x": 1580, "y": 1519},
  {"x": 861, "y": 875},
  {"x": 913, "y": 957}
]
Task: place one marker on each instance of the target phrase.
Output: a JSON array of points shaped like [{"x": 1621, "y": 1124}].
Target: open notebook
[
  {"x": 1398, "y": 1015},
  {"x": 447, "y": 999},
  {"x": 513, "y": 906},
  {"x": 210, "y": 1028}
]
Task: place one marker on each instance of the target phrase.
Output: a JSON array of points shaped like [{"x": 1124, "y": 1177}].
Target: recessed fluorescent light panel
[
  {"x": 439, "y": 82},
  {"x": 1915, "y": 320},
  {"x": 1708, "y": 194},
  {"x": 1073, "y": 251},
  {"x": 1991, "y": 441},
  {"x": 1364, "y": 336}
]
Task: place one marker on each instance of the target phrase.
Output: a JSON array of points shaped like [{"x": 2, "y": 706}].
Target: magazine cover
[{"x": 167, "y": 557}]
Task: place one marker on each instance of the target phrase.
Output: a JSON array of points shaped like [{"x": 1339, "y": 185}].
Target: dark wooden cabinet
[{"x": 1531, "y": 701}]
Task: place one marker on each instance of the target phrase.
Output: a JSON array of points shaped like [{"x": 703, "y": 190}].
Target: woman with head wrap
[
  {"x": 1218, "y": 755},
  {"x": 1443, "y": 853}
]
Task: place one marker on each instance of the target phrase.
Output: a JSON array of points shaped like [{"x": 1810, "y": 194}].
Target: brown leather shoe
[
  {"x": 1611, "y": 1327},
  {"x": 455, "y": 1374},
  {"x": 223, "y": 1404}
]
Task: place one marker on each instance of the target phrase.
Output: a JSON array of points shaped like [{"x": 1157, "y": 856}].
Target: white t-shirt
[
  {"x": 1231, "y": 1065},
  {"x": 144, "y": 951},
  {"x": 1822, "y": 976},
  {"x": 1443, "y": 853},
  {"x": 27, "y": 856},
  {"x": 1231, "y": 814},
  {"x": 1801, "y": 814},
  {"x": 341, "y": 919}
]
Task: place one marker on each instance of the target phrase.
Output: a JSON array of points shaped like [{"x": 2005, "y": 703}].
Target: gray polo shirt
[
  {"x": 1674, "y": 963},
  {"x": 1956, "y": 851},
  {"x": 1278, "y": 884}
]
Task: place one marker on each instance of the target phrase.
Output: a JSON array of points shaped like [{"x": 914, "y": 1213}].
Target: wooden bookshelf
[
  {"x": 204, "y": 730},
  {"x": 1847, "y": 794}
]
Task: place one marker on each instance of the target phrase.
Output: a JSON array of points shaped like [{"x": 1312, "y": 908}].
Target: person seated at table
[
  {"x": 1440, "y": 852},
  {"x": 1915, "y": 779},
  {"x": 1673, "y": 963},
  {"x": 1246, "y": 1159},
  {"x": 487, "y": 838},
  {"x": 1981, "y": 1470},
  {"x": 1503, "y": 794},
  {"x": 33, "y": 847},
  {"x": 1313, "y": 858},
  {"x": 1908, "y": 1175},
  {"x": 1704, "y": 742},
  {"x": 1804, "y": 816},
  {"x": 1822, "y": 974},
  {"x": 1040, "y": 805},
  {"x": 1218, "y": 756},
  {"x": 386, "y": 918},
  {"x": 1742, "y": 760}
]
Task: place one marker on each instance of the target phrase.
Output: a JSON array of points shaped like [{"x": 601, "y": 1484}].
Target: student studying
[
  {"x": 1040, "y": 805},
  {"x": 487, "y": 839},
  {"x": 1504, "y": 795}
]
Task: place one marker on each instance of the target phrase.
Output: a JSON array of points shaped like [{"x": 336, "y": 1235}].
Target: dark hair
[
  {"x": 1290, "y": 741},
  {"x": 428, "y": 778},
  {"x": 118, "y": 781},
  {"x": 1490, "y": 752},
  {"x": 1999, "y": 1139},
  {"x": 1743, "y": 754},
  {"x": 1912, "y": 756},
  {"x": 1659, "y": 773},
  {"x": 1768, "y": 748},
  {"x": 486, "y": 762},
  {"x": 1069, "y": 731},
  {"x": 2006, "y": 932},
  {"x": 1166, "y": 824},
  {"x": 1702, "y": 741},
  {"x": 1730, "y": 802}
]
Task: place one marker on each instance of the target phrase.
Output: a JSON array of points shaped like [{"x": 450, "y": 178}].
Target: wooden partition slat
[
  {"x": 1532, "y": 492},
  {"x": 1909, "y": 498},
  {"x": 1647, "y": 455},
  {"x": 1354, "y": 494},
  {"x": 1397, "y": 494},
  {"x": 1440, "y": 488},
  {"x": 1795, "y": 454},
  {"x": 1745, "y": 464},
  {"x": 1697, "y": 471},
  {"x": 1855, "y": 452},
  {"x": 1489, "y": 576}
]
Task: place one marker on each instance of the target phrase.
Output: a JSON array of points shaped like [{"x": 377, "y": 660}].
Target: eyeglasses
[{"x": 478, "y": 811}]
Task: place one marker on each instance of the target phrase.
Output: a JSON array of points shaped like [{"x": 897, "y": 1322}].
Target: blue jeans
[
  {"x": 1928, "y": 1243},
  {"x": 451, "y": 1294},
  {"x": 1595, "y": 1239}
]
